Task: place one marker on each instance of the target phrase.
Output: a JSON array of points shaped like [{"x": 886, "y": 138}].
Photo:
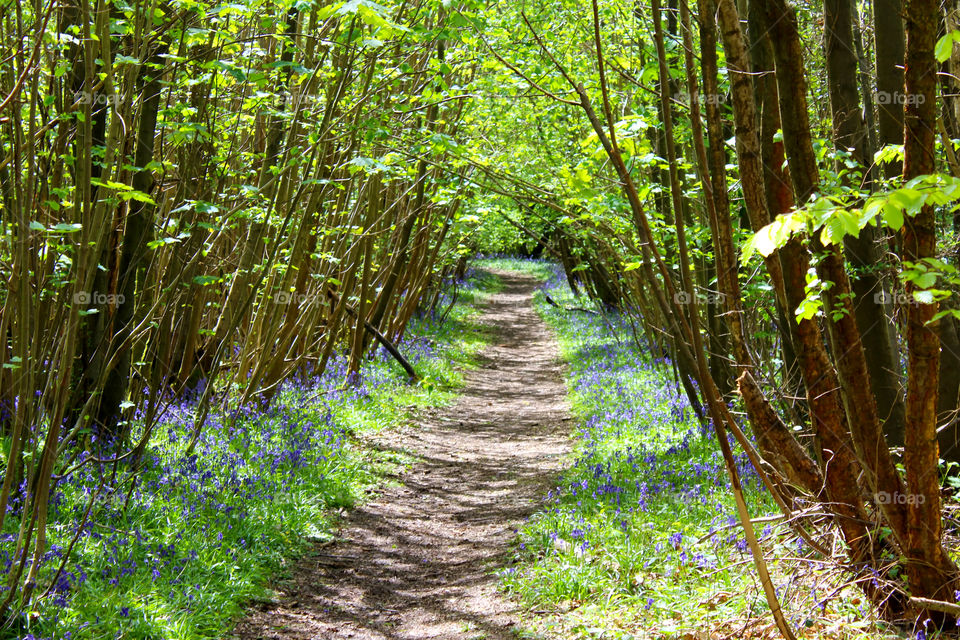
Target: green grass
[
  {"x": 205, "y": 535},
  {"x": 540, "y": 269}
]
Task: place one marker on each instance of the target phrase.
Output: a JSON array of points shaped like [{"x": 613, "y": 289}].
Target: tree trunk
[
  {"x": 134, "y": 258},
  {"x": 889, "y": 47},
  {"x": 930, "y": 572},
  {"x": 849, "y": 134}
]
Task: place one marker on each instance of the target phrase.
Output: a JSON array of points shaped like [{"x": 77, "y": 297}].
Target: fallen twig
[
  {"x": 937, "y": 605},
  {"x": 389, "y": 346},
  {"x": 552, "y": 302}
]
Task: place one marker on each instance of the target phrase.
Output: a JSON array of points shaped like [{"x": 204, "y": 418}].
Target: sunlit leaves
[
  {"x": 370, "y": 13},
  {"x": 773, "y": 236},
  {"x": 66, "y": 227},
  {"x": 835, "y": 217},
  {"x": 890, "y": 153},
  {"x": 928, "y": 279}
]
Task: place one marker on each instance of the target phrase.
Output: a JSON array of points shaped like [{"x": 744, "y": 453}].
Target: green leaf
[
  {"x": 295, "y": 67},
  {"x": 890, "y": 153},
  {"x": 945, "y": 46},
  {"x": 329, "y": 10},
  {"x": 110, "y": 184},
  {"x": 238, "y": 74},
  {"x": 205, "y": 207},
  {"x": 808, "y": 308},
  {"x": 908, "y": 199},
  {"x": 925, "y": 280},
  {"x": 139, "y": 196},
  {"x": 65, "y": 227},
  {"x": 892, "y": 216},
  {"x": 773, "y": 236},
  {"x": 155, "y": 244},
  {"x": 839, "y": 224},
  {"x": 924, "y": 297},
  {"x": 942, "y": 314}
]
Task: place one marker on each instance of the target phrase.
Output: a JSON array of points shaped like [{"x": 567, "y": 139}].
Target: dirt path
[{"x": 417, "y": 561}]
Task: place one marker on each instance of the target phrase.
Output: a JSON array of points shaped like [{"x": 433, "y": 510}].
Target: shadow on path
[{"x": 416, "y": 562}]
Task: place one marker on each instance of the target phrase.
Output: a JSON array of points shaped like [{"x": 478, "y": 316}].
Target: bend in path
[{"x": 417, "y": 561}]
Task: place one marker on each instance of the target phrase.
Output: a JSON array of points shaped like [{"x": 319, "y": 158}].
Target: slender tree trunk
[
  {"x": 889, "y": 47},
  {"x": 777, "y": 442},
  {"x": 930, "y": 572},
  {"x": 134, "y": 257},
  {"x": 849, "y": 134}
]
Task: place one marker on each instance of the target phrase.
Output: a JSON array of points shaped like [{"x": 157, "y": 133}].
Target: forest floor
[{"x": 417, "y": 561}]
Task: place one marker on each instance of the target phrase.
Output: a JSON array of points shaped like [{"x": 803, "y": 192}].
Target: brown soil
[{"x": 417, "y": 561}]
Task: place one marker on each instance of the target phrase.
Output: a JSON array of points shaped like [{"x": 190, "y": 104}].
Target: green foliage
[
  {"x": 837, "y": 216},
  {"x": 833, "y": 217}
]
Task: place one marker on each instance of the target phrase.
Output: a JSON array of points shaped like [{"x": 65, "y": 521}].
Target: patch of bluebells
[
  {"x": 648, "y": 480},
  {"x": 193, "y": 529}
]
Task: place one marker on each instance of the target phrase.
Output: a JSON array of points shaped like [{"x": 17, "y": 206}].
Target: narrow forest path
[{"x": 416, "y": 562}]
